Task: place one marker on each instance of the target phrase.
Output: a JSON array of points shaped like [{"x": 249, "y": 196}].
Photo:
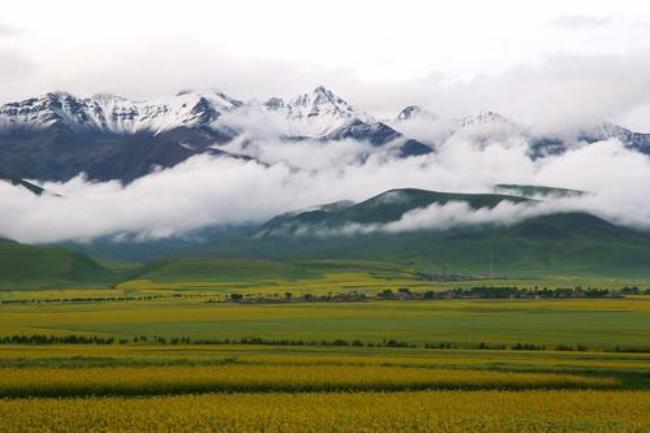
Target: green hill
[
  {"x": 36, "y": 267},
  {"x": 386, "y": 207},
  {"x": 561, "y": 244},
  {"x": 391, "y": 205},
  {"x": 570, "y": 244},
  {"x": 215, "y": 269}
]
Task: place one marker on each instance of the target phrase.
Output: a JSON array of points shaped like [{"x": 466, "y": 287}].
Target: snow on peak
[
  {"x": 53, "y": 108},
  {"x": 320, "y": 102},
  {"x": 605, "y": 130},
  {"x": 316, "y": 113},
  {"x": 313, "y": 114},
  {"x": 113, "y": 114},
  {"x": 485, "y": 117}
]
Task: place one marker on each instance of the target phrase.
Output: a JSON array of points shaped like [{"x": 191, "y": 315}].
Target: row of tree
[{"x": 339, "y": 342}]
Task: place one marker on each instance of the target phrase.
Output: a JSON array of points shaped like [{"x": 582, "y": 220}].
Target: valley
[{"x": 325, "y": 217}]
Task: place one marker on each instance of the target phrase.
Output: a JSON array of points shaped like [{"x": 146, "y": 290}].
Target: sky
[{"x": 529, "y": 60}]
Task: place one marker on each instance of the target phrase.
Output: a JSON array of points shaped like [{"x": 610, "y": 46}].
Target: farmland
[
  {"x": 260, "y": 388},
  {"x": 597, "y": 324},
  {"x": 169, "y": 353},
  {"x": 431, "y": 411}
]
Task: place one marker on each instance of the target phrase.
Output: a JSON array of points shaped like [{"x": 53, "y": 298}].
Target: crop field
[
  {"x": 594, "y": 323},
  {"x": 429, "y": 411},
  {"x": 61, "y": 388},
  {"x": 161, "y": 359},
  {"x": 223, "y": 276}
]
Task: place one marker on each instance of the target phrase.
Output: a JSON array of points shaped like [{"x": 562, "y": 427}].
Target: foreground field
[
  {"x": 136, "y": 388},
  {"x": 135, "y": 385},
  {"x": 436, "y": 411}
]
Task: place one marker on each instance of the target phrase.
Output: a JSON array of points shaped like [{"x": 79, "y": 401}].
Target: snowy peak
[
  {"x": 320, "y": 102},
  {"x": 50, "y": 110},
  {"x": 484, "y": 117},
  {"x": 314, "y": 114},
  {"x": 113, "y": 114},
  {"x": 606, "y": 130}
]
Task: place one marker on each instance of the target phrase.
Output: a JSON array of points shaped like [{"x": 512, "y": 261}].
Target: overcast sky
[{"x": 581, "y": 59}]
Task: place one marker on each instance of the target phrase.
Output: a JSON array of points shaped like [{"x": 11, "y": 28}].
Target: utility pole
[{"x": 491, "y": 264}]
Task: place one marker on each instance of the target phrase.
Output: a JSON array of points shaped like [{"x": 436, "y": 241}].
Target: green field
[{"x": 598, "y": 324}]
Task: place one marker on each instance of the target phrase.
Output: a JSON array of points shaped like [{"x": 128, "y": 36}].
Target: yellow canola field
[
  {"x": 151, "y": 380},
  {"x": 421, "y": 412}
]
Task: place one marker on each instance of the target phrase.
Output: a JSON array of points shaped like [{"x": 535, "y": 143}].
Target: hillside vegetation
[{"x": 31, "y": 267}]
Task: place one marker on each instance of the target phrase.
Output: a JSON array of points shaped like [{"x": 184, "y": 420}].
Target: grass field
[
  {"x": 322, "y": 276},
  {"x": 597, "y": 324},
  {"x": 219, "y": 277}
]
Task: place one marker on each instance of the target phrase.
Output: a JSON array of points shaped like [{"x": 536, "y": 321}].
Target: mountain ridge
[{"x": 58, "y": 135}]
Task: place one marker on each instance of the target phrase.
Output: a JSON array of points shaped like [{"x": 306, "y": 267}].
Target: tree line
[{"x": 338, "y": 342}]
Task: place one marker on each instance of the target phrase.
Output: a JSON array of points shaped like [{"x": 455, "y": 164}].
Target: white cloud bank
[{"x": 206, "y": 191}]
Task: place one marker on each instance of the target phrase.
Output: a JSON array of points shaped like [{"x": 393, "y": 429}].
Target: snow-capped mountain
[
  {"x": 556, "y": 144},
  {"x": 314, "y": 114},
  {"x": 58, "y": 135},
  {"x": 113, "y": 114},
  {"x": 491, "y": 128},
  {"x": 487, "y": 128},
  {"x": 606, "y": 130}
]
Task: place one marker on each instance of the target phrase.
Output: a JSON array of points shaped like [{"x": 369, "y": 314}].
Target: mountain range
[{"x": 58, "y": 135}]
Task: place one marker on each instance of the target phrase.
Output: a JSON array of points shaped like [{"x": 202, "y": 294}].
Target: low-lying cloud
[{"x": 207, "y": 191}]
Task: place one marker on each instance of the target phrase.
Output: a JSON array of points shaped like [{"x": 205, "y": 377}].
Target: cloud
[
  {"x": 206, "y": 191},
  {"x": 558, "y": 90},
  {"x": 454, "y": 214},
  {"x": 448, "y": 59},
  {"x": 7, "y": 30},
  {"x": 562, "y": 92},
  {"x": 581, "y": 21},
  {"x": 15, "y": 66}
]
